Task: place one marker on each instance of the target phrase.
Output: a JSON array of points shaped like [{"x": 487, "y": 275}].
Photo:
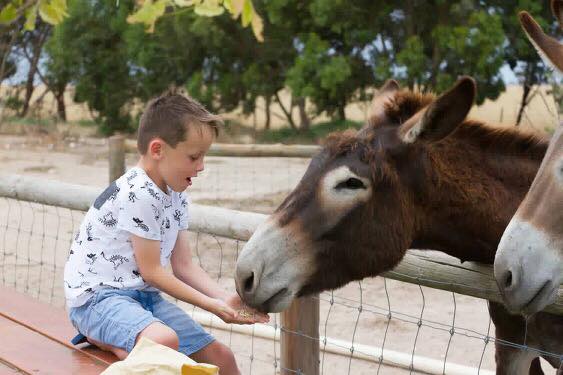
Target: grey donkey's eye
[{"x": 351, "y": 183}]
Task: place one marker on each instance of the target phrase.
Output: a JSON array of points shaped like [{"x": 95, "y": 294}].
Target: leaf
[
  {"x": 234, "y": 7},
  {"x": 52, "y": 12},
  {"x": 30, "y": 18},
  {"x": 247, "y": 12},
  {"x": 8, "y": 14},
  {"x": 209, "y": 8},
  {"x": 148, "y": 14},
  {"x": 186, "y": 3},
  {"x": 257, "y": 27}
]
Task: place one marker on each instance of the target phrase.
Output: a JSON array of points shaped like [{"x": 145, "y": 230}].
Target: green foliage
[
  {"x": 152, "y": 10},
  {"x": 50, "y": 11},
  {"x": 14, "y": 103},
  {"x": 100, "y": 72},
  {"x": 329, "y": 52},
  {"x": 314, "y": 135}
]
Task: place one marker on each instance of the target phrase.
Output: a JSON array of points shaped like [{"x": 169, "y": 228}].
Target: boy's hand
[
  {"x": 223, "y": 311},
  {"x": 244, "y": 313}
]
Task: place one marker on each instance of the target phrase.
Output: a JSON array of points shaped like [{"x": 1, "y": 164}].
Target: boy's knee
[
  {"x": 225, "y": 353},
  {"x": 160, "y": 334},
  {"x": 227, "y": 358}
]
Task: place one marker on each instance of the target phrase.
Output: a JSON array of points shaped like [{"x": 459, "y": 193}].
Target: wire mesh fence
[{"x": 377, "y": 325}]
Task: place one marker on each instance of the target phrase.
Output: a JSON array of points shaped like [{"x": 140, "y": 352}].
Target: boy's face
[{"x": 178, "y": 165}]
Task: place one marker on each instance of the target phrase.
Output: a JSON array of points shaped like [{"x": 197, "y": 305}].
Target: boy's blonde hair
[{"x": 170, "y": 117}]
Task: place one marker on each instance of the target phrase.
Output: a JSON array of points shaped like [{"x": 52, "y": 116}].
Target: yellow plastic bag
[{"x": 148, "y": 357}]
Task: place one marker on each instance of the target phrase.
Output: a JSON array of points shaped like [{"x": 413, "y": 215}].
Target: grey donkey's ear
[
  {"x": 441, "y": 117},
  {"x": 380, "y": 98},
  {"x": 548, "y": 48}
]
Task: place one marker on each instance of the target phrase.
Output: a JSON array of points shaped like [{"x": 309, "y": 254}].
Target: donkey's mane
[
  {"x": 406, "y": 104},
  {"x": 508, "y": 140}
]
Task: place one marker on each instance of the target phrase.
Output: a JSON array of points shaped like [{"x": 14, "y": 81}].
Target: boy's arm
[
  {"x": 147, "y": 255},
  {"x": 190, "y": 272}
]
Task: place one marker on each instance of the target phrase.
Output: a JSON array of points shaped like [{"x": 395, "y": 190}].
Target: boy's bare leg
[
  {"x": 219, "y": 355},
  {"x": 157, "y": 332},
  {"x": 119, "y": 353}
]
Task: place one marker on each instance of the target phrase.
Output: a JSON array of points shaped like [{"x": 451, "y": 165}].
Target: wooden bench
[{"x": 35, "y": 338}]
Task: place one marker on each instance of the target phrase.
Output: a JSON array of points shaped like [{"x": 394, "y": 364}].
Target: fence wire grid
[{"x": 413, "y": 320}]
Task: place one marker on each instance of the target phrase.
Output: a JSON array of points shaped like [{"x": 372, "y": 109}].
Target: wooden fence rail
[{"x": 250, "y": 150}]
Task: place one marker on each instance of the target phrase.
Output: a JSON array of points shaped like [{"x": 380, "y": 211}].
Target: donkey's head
[
  {"x": 529, "y": 260},
  {"x": 354, "y": 212}
]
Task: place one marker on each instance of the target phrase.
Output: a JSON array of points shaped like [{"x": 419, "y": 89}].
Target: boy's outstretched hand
[{"x": 232, "y": 309}]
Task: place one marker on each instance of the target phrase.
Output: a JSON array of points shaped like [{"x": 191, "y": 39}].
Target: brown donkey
[
  {"x": 418, "y": 175},
  {"x": 529, "y": 260}
]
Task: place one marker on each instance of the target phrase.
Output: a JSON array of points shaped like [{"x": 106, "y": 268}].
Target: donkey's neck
[{"x": 480, "y": 176}]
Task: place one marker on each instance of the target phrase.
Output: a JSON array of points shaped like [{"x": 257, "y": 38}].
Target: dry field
[{"x": 540, "y": 115}]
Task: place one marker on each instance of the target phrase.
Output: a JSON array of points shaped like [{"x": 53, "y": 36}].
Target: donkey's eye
[{"x": 351, "y": 183}]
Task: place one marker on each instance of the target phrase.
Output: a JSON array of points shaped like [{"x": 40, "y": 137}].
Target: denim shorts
[{"x": 116, "y": 317}]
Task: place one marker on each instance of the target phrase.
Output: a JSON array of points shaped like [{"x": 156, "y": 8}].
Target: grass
[
  {"x": 29, "y": 121},
  {"x": 313, "y": 135}
]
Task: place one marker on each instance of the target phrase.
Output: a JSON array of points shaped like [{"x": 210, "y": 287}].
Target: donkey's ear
[
  {"x": 548, "y": 48},
  {"x": 442, "y": 116},
  {"x": 382, "y": 96}
]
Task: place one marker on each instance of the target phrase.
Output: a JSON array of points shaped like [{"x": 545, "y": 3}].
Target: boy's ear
[
  {"x": 441, "y": 117},
  {"x": 156, "y": 148}
]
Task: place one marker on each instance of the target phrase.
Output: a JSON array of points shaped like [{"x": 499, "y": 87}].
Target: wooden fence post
[
  {"x": 116, "y": 157},
  {"x": 300, "y": 337}
]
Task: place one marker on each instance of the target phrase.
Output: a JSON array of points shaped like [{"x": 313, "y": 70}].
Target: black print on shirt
[
  {"x": 177, "y": 216},
  {"x": 89, "y": 236},
  {"x": 116, "y": 259},
  {"x": 106, "y": 194},
  {"x": 155, "y": 212},
  {"x": 108, "y": 220},
  {"x": 140, "y": 224},
  {"x": 130, "y": 178},
  {"x": 90, "y": 270},
  {"x": 184, "y": 203},
  {"x": 91, "y": 258},
  {"x": 152, "y": 192},
  {"x": 82, "y": 284},
  {"x": 132, "y": 197}
]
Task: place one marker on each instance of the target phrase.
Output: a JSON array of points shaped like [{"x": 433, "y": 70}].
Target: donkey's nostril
[
  {"x": 248, "y": 283},
  {"x": 508, "y": 279}
]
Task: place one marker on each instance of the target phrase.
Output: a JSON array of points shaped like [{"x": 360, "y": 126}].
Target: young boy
[{"x": 138, "y": 226}]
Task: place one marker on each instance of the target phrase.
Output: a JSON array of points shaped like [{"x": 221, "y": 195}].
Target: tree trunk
[
  {"x": 61, "y": 108},
  {"x": 342, "y": 111},
  {"x": 304, "y": 121},
  {"x": 527, "y": 88},
  {"x": 268, "y": 100},
  {"x": 37, "y": 42},
  {"x": 286, "y": 112}
]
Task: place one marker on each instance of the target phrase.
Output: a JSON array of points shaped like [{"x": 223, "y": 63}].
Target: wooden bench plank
[
  {"x": 6, "y": 369},
  {"x": 32, "y": 352},
  {"x": 45, "y": 319}
]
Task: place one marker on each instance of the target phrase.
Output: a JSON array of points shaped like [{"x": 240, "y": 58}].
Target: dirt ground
[{"x": 34, "y": 242}]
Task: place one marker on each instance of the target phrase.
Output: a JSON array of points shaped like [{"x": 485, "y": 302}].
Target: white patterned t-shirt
[{"x": 101, "y": 255}]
